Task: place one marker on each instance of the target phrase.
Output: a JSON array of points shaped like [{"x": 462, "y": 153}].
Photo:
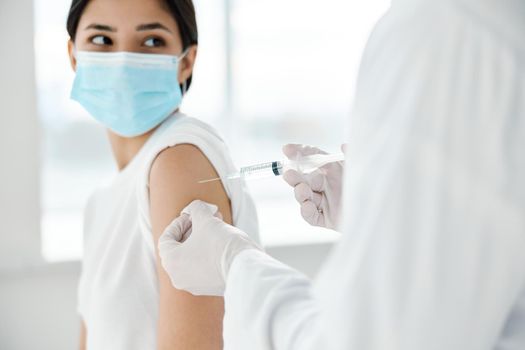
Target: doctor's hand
[
  {"x": 198, "y": 248},
  {"x": 319, "y": 193}
]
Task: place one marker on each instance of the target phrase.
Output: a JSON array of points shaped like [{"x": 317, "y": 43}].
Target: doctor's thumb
[
  {"x": 199, "y": 210},
  {"x": 344, "y": 148},
  {"x": 291, "y": 151},
  {"x": 176, "y": 230}
]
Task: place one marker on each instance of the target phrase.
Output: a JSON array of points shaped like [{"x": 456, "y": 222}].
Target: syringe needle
[
  {"x": 305, "y": 165},
  {"x": 209, "y": 180}
]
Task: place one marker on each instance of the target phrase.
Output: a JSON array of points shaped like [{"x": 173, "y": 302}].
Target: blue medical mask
[{"x": 129, "y": 93}]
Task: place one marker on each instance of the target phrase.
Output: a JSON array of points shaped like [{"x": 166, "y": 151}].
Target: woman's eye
[
  {"x": 101, "y": 40},
  {"x": 154, "y": 42}
]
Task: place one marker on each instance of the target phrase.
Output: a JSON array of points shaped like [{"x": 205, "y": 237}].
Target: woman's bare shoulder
[{"x": 174, "y": 183}]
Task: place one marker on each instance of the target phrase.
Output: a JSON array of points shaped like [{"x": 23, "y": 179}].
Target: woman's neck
[{"x": 126, "y": 148}]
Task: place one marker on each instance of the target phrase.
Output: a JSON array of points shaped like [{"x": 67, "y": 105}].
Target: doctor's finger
[
  {"x": 296, "y": 151},
  {"x": 293, "y": 178},
  {"x": 317, "y": 199},
  {"x": 316, "y": 180},
  {"x": 303, "y": 192},
  {"x": 311, "y": 213},
  {"x": 176, "y": 229},
  {"x": 199, "y": 210},
  {"x": 291, "y": 150}
]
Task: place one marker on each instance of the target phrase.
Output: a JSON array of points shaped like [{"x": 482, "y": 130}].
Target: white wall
[
  {"x": 19, "y": 200},
  {"x": 37, "y": 308},
  {"x": 36, "y": 300}
]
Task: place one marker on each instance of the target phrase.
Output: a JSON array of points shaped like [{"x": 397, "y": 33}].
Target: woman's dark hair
[{"x": 182, "y": 11}]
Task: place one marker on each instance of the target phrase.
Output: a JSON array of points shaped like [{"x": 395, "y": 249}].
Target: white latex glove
[
  {"x": 198, "y": 248},
  {"x": 319, "y": 193}
]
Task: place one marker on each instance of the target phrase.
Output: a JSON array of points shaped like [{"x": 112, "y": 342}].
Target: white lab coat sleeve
[
  {"x": 268, "y": 305},
  {"x": 432, "y": 254}
]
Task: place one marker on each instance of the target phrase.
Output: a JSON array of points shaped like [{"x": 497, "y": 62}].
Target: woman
[{"x": 134, "y": 61}]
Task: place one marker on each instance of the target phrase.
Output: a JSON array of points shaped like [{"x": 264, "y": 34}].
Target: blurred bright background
[{"x": 268, "y": 73}]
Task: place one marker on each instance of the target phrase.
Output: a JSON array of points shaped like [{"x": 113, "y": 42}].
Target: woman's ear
[
  {"x": 187, "y": 64},
  {"x": 71, "y": 51}
]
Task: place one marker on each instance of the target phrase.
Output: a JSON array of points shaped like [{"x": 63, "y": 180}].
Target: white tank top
[{"x": 118, "y": 290}]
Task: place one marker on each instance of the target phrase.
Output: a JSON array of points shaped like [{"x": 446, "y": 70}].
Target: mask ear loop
[
  {"x": 184, "y": 86},
  {"x": 183, "y": 54}
]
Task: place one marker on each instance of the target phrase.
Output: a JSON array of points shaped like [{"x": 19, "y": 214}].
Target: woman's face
[{"x": 140, "y": 26}]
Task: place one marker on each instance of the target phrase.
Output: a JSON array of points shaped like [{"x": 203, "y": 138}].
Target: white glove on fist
[
  {"x": 198, "y": 248},
  {"x": 319, "y": 193}
]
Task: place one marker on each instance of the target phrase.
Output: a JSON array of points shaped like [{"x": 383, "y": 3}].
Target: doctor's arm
[
  {"x": 443, "y": 275},
  {"x": 268, "y": 292},
  {"x": 277, "y": 311},
  {"x": 185, "y": 321},
  {"x": 427, "y": 262},
  {"x": 432, "y": 251}
]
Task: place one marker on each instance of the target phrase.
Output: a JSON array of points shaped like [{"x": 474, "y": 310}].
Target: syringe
[{"x": 305, "y": 165}]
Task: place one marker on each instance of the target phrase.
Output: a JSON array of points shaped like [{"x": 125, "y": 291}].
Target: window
[
  {"x": 271, "y": 72},
  {"x": 75, "y": 154},
  {"x": 294, "y": 66}
]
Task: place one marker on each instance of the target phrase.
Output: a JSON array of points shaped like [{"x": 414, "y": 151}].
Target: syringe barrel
[
  {"x": 311, "y": 163},
  {"x": 262, "y": 170},
  {"x": 277, "y": 168},
  {"x": 303, "y": 165}
]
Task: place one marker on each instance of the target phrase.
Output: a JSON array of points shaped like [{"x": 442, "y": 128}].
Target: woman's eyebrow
[
  {"x": 152, "y": 26},
  {"x": 101, "y": 27}
]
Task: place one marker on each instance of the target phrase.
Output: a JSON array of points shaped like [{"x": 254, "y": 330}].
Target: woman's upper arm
[
  {"x": 185, "y": 321},
  {"x": 83, "y": 336}
]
